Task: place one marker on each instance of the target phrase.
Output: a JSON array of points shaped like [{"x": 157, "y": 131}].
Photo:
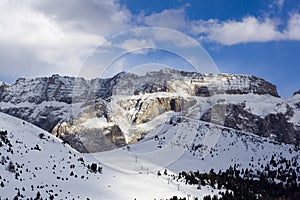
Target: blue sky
[{"x": 262, "y": 38}]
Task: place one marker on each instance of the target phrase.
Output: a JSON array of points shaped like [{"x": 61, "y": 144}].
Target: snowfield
[
  {"x": 192, "y": 145},
  {"x": 42, "y": 163},
  {"x": 32, "y": 161}
]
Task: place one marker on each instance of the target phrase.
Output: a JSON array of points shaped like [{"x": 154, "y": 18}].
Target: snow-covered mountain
[
  {"x": 100, "y": 114},
  {"x": 34, "y": 163},
  {"x": 37, "y": 164}
]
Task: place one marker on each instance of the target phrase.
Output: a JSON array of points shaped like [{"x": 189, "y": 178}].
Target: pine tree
[
  {"x": 11, "y": 167},
  {"x": 38, "y": 196},
  {"x": 94, "y": 167}
]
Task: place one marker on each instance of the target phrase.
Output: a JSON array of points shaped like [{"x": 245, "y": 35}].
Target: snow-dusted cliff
[{"x": 122, "y": 109}]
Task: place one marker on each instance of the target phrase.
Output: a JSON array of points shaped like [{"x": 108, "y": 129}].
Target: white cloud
[
  {"x": 93, "y": 16},
  {"x": 46, "y": 37},
  {"x": 293, "y": 29},
  {"x": 250, "y": 29}
]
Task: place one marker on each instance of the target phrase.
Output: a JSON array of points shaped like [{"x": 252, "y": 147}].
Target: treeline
[{"x": 279, "y": 179}]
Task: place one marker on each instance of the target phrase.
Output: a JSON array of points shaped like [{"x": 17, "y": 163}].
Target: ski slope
[
  {"x": 42, "y": 163},
  {"x": 191, "y": 145}
]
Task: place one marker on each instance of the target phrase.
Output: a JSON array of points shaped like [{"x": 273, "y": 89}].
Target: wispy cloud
[
  {"x": 277, "y": 4},
  {"x": 171, "y": 18},
  {"x": 136, "y": 44}
]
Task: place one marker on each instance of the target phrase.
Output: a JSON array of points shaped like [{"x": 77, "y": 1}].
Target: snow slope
[
  {"x": 42, "y": 163},
  {"x": 208, "y": 146}
]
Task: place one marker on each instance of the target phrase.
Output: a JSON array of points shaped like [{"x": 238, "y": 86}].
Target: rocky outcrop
[
  {"x": 210, "y": 84},
  {"x": 41, "y": 115},
  {"x": 57, "y": 88},
  {"x": 149, "y": 108},
  {"x": 275, "y": 126},
  {"x": 250, "y": 84},
  {"x": 91, "y": 130},
  {"x": 152, "y": 88},
  {"x": 90, "y": 139},
  {"x": 63, "y": 105}
]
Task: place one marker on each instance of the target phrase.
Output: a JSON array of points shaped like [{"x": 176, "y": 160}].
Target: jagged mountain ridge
[
  {"x": 47, "y": 103},
  {"x": 61, "y": 88}
]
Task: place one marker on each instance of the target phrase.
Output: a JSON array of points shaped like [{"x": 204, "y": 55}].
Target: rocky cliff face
[
  {"x": 277, "y": 126},
  {"x": 100, "y": 114}
]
